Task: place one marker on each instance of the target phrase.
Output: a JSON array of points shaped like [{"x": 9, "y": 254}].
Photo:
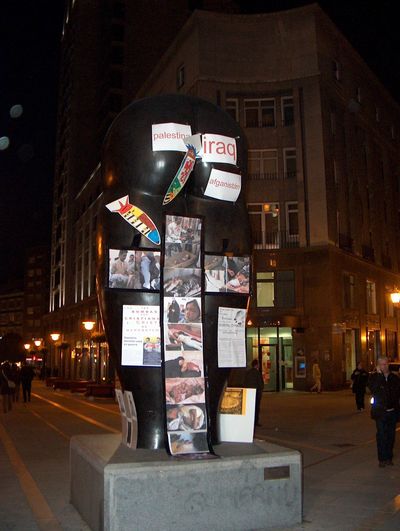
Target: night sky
[{"x": 30, "y": 33}]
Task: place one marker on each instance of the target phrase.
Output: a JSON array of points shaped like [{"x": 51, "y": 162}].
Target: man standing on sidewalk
[{"x": 385, "y": 389}]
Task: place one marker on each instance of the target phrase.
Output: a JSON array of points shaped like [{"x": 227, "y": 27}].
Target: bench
[
  {"x": 79, "y": 386},
  {"x": 101, "y": 390}
]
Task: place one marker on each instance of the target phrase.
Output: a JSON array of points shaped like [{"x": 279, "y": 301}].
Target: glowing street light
[
  {"x": 88, "y": 325},
  {"x": 395, "y": 297},
  {"x": 27, "y": 346},
  {"x": 37, "y": 342},
  {"x": 55, "y": 336}
]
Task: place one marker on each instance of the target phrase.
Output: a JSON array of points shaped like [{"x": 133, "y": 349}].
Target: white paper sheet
[
  {"x": 170, "y": 136},
  {"x": 231, "y": 337},
  {"x": 224, "y": 185}
]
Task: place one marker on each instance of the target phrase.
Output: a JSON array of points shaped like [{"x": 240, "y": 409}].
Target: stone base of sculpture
[{"x": 250, "y": 486}]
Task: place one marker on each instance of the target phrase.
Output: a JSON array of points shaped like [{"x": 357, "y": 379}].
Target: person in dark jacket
[
  {"x": 254, "y": 380},
  {"x": 5, "y": 389},
  {"x": 27, "y": 374},
  {"x": 360, "y": 380},
  {"x": 385, "y": 389}
]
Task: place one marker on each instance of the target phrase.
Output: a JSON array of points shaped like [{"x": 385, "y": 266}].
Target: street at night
[
  {"x": 199, "y": 225},
  {"x": 343, "y": 487}
]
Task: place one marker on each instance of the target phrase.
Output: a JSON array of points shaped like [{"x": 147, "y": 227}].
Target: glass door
[{"x": 267, "y": 353}]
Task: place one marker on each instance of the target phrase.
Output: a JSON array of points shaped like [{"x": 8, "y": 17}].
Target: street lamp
[
  {"x": 55, "y": 336},
  {"x": 89, "y": 325},
  {"x": 395, "y": 297}
]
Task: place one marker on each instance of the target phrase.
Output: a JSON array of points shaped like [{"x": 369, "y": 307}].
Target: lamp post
[
  {"x": 395, "y": 297},
  {"x": 55, "y": 336},
  {"x": 27, "y": 347},
  {"x": 88, "y": 326},
  {"x": 38, "y": 342}
]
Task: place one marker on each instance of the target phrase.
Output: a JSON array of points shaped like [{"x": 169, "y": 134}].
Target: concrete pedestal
[{"x": 252, "y": 486}]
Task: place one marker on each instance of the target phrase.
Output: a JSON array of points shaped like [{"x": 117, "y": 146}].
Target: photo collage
[
  {"x": 183, "y": 337},
  {"x": 227, "y": 274},
  {"x": 134, "y": 270}
]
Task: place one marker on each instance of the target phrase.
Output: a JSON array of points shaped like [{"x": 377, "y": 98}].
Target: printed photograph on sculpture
[
  {"x": 182, "y": 310},
  {"x": 188, "y": 417},
  {"x": 233, "y": 401},
  {"x": 188, "y": 443},
  {"x": 152, "y": 351},
  {"x": 227, "y": 274},
  {"x": 182, "y": 242},
  {"x": 182, "y": 282},
  {"x": 183, "y": 337},
  {"x": 134, "y": 270},
  {"x": 183, "y": 364},
  {"x": 184, "y": 390}
]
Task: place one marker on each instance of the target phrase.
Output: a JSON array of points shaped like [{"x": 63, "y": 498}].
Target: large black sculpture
[{"x": 130, "y": 167}]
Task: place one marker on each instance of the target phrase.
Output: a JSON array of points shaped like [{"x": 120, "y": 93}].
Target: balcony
[
  {"x": 271, "y": 176},
  {"x": 274, "y": 240},
  {"x": 345, "y": 242},
  {"x": 386, "y": 261}
]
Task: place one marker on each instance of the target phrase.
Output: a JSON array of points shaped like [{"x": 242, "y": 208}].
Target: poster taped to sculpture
[
  {"x": 231, "y": 337},
  {"x": 141, "y": 337}
]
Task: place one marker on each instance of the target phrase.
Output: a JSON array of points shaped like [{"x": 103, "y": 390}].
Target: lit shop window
[{"x": 259, "y": 112}]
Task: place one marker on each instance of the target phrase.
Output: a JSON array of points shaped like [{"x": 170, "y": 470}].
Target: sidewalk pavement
[{"x": 344, "y": 489}]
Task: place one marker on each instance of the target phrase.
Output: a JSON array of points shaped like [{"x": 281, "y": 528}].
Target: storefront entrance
[{"x": 272, "y": 346}]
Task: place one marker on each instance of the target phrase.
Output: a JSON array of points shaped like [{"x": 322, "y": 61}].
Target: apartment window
[
  {"x": 117, "y": 55},
  {"x": 275, "y": 289},
  {"x": 371, "y": 297},
  {"x": 259, "y": 112},
  {"x": 336, "y": 70},
  {"x": 292, "y": 219},
  {"x": 287, "y": 111},
  {"x": 118, "y": 32},
  {"x": 389, "y": 308},
  {"x": 391, "y": 344},
  {"x": 232, "y": 108},
  {"x": 180, "y": 76},
  {"x": 265, "y": 289},
  {"x": 348, "y": 290},
  {"x": 333, "y": 123},
  {"x": 264, "y": 221},
  {"x": 377, "y": 114},
  {"x": 263, "y": 163},
  {"x": 290, "y": 162},
  {"x": 116, "y": 78},
  {"x": 118, "y": 10}
]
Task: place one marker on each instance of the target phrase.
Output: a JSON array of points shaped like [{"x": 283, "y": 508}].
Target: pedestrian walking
[
  {"x": 316, "y": 374},
  {"x": 16, "y": 378},
  {"x": 254, "y": 380},
  {"x": 27, "y": 374},
  {"x": 385, "y": 409},
  {"x": 7, "y": 386},
  {"x": 360, "y": 379}
]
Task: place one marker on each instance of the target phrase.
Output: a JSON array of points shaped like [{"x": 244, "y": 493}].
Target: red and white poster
[
  {"x": 170, "y": 136},
  {"x": 141, "y": 336},
  {"x": 224, "y": 185}
]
